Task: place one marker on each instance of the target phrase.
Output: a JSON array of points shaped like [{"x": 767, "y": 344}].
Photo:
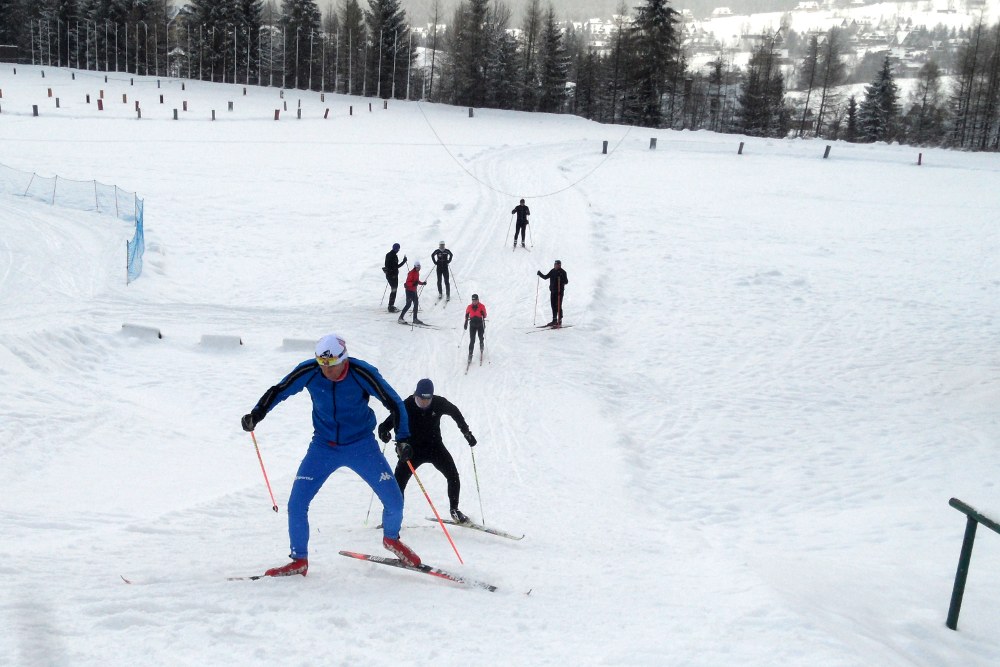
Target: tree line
[{"x": 484, "y": 59}]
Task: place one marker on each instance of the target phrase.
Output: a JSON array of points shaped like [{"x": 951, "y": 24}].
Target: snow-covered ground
[{"x": 780, "y": 369}]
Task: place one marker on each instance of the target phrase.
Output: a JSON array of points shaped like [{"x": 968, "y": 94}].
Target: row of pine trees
[{"x": 642, "y": 79}]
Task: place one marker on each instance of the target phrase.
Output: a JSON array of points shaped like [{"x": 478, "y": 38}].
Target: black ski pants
[
  {"x": 476, "y": 327},
  {"x": 440, "y": 458},
  {"x": 442, "y": 272},
  {"x": 520, "y": 228},
  {"x": 411, "y": 300},
  {"x": 393, "y": 280},
  {"x": 556, "y": 302}
]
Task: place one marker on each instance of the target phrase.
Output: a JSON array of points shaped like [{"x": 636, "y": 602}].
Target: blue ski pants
[{"x": 321, "y": 460}]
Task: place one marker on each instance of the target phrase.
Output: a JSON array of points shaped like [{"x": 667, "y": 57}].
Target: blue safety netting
[
  {"x": 136, "y": 246},
  {"x": 83, "y": 196}
]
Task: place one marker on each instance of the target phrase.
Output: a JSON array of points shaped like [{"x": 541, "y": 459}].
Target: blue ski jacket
[{"x": 340, "y": 412}]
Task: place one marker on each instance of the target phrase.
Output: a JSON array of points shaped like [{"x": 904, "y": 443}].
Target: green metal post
[{"x": 962, "y": 574}]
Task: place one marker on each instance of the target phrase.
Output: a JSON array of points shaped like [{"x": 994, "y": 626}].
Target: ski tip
[{"x": 124, "y": 579}]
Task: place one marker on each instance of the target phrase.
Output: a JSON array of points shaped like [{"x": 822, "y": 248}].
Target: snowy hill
[{"x": 780, "y": 370}]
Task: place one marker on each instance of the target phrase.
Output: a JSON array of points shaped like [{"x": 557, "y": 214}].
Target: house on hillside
[{"x": 721, "y": 11}]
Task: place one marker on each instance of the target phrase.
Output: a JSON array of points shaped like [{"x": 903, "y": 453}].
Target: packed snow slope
[{"x": 780, "y": 369}]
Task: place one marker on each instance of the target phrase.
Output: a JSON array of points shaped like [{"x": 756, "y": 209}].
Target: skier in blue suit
[{"x": 343, "y": 435}]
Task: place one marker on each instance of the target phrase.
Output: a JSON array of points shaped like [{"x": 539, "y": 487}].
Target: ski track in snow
[{"x": 780, "y": 369}]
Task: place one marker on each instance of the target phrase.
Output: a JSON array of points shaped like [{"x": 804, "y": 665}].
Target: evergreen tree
[
  {"x": 331, "y": 31},
  {"x": 212, "y": 19},
  {"x": 656, "y": 52},
  {"x": 272, "y": 45},
  {"x": 879, "y": 111},
  {"x": 391, "y": 57},
  {"x": 468, "y": 53},
  {"x": 502, "y": 71},
  {"x": 454, "y": 73},
  {"x": 590, "y": 73},
  {"x": 554, "y": 66},
  {"x": 18, "y": 20},
  {"x": 300, "y": 19},
  {"x": 531, "y": 30},
  {"x": 353, "y": 36},
  {"x": 250, "y": 17},
  {"x": 762, "y": 97},
  {"x": 619, "y": 81},
  {"x": 852, "y": 119}
]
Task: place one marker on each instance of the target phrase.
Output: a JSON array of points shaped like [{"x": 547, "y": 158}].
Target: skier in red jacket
[
  {"x": 412, "y": 280},
  {"x": 475, "y": 314}
]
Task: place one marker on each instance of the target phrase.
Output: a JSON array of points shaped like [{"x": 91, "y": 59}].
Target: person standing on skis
[
  {"x": 424, "y": 411},
  {"x": 442, "y": 258},
  {"x": 557, "y": 286},
  {"x": 391, "y": 271},
  {"x": 343, "y": 436},
  {"x": 475, "y": 314},
  {"x": 522, "y": 221},
  {"x": 412, "y": 280}
]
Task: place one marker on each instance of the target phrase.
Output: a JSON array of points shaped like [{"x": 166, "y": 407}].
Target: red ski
[{"x": 426, "y": 569}]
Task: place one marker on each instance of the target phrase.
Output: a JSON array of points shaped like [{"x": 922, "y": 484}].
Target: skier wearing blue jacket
[{"x": 343, "y": 427}]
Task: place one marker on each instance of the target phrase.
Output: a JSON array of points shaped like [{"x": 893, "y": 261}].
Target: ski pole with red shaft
[
  {"x": 274, "y": 505},
  {"x": 434, "y": 509}
]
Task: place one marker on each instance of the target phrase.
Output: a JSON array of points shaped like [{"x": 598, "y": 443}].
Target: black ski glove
[
  {"x": 385, "y": 433},
  {"x": 404, "y": 259},
  {"x": 471, "y": 438},
  {"x": 539, "y": 274},
  {"x": 250, "y": 421},
  {"x": 466, "y": 327},
  {"x": 404, "y": 450}
]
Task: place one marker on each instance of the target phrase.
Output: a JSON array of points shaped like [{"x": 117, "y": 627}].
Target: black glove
[
  {"x": 404, "y": 259},
  {"x": 385, "y": 433},
  {"x": 539, "y": 274},
  {"x": 248, "y": 422},
  {"x": 403, "y": 450},
  {"x": 466, "y": 327},
  {"x": 471, "y": 438}
]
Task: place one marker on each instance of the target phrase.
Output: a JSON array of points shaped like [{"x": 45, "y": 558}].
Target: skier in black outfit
[
  {"x": 557, "y": 285},
  {"x": 391, "y": 271},
  {"x": 442, "y": 258},
  {"x": 522, "y": 221},
  {"x": 424, "y": 411}
]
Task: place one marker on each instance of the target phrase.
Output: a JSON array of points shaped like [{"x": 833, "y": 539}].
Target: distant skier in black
[
  {"x": 475, "y": 314},
  {"x": 557, "y": 286},
  {"x": 391, "y": 271},
  {"x": 522, "y": 221},
  {"x": 442, "y": 258},
  {"x": 424, "y": 411}
]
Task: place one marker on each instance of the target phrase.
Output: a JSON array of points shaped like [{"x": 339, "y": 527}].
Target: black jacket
[
  {"x": 441, "y": 258},
  {"x": 557, "y": 279},
  {"x": 425, "y": 425},
  {"x": 522, "y": 213},
  {"x": 392, "y": 263}
]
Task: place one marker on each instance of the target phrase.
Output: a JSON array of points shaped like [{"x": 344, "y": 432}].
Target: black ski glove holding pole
[
  {"x": 404, "y": 450},
  {"x": 471, "y": 438},
  {"x": 250, "y": 420}
]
